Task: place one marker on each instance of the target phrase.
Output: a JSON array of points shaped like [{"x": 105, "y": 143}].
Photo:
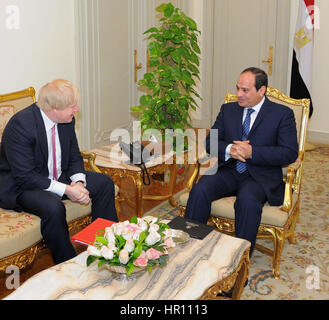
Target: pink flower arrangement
[
  {"x": 141, "y": 261},
  {"x": 136, "y": 243}
]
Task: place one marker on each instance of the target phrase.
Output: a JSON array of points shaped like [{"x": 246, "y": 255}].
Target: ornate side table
[{"x": 109, "y": 161}]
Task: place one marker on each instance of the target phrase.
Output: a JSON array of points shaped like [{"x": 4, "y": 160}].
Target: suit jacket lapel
[
  {"x": 238, "y": 122},
  {"x": 259, "y": 117},
  {"x": 41, "y": 130},
  {"x": 63, "y": 140}
]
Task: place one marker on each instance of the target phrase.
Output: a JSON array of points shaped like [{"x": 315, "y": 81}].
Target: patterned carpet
[{"x": 304, "y": 265}]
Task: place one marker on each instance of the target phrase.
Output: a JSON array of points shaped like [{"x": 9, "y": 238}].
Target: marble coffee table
[{"x": 196, "y": 269}]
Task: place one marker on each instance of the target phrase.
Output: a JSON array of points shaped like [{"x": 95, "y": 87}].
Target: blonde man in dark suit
[{"x": 40, "y": 163}]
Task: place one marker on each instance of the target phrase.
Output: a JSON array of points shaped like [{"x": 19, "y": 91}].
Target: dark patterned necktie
[{"x": 241, "y": 166}]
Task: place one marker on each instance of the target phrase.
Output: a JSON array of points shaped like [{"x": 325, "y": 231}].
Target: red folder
[{"x": 87, "y": 235}]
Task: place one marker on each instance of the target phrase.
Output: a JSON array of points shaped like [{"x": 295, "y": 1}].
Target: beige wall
[
  {"x": 44, "y": 48},
  {"x": 41, "y": 48}
]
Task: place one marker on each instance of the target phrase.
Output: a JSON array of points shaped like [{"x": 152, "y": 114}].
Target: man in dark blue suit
[
  {"x": 256, "y": 137},
  {"x": 40, "y": 164}
]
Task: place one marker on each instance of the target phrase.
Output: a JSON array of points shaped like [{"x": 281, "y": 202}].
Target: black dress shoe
[{"x": 229, "y": 294}]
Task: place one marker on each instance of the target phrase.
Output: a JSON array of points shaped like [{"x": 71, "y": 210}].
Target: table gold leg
[
  {"x": 242, "y": 277},
  {"x": 235, "y": 280},
  {"x": 139, "y": 194},
  {"x": 172, "y": 183}
]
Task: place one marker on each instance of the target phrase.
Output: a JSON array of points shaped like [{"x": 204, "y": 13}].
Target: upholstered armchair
[
  {"x": 20, "y": 237},
  {"x": 278, "y": 222}
]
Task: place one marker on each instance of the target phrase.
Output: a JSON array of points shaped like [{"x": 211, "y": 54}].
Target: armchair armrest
[
  {"x": 89, "y": 160},
  {"x": 200, "y": 164},
  {"x": 289, "y": 181},
  {"x": 194, "y": 177}
]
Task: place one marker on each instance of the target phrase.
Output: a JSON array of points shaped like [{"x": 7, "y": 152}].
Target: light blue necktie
[{"x": 241, "y": 166}]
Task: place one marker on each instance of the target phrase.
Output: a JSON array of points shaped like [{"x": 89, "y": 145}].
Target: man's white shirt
[
  {"x": 56, "y": 186},
  {"x": 253, "y": 116}
]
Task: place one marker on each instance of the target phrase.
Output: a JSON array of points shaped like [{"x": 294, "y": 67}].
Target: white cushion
[
  {"x": 272, "y": 215},
  {"x": 21, "y": 230}
]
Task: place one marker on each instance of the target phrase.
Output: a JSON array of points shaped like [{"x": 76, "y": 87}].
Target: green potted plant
[{"x": 174, "y": 66}]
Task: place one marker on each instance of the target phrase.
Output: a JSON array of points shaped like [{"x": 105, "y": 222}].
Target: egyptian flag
[{"x": 301, "y": 73}]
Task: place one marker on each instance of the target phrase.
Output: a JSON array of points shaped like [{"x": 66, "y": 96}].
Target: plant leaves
[
  {"x": 187, "y": 77},
  {"x": 101, "y": 262},
  {"x": 176, "y": 55},
  {"x": 195, "y": 46},
  {"x": 154, "y": 49},
  {"x": 193, "y": 68},
  {"x": 174, "y": 94},
  {"x": 176, "y": 18},
  {"x": 174, "y": 62},
  {"x": 168, "y": 34},
  {"x": 120, "y": 241},
  {"x": 163, "y": 260},
  {"x": 134, "y": 220},
  {"x": 137, "y": 251},
  {"x": 191, "y": 23},
  {"x": 154, "y": 62},
  {"x": 90, "y": 260},
  {"x": 142, "y": 236},
  {"x": 195, "y": 93},
  {"x": 130, "y": 268},
  {"x": 165, "y": 83},
  {"x": 148, "y": 76},
  {"x": 153, "y": 29},
  {"x": 176, "y": 30},
  {"x": 194, "y": 58},
  {"x": 169, "y": 10},
  {"x": 137, "y": 109},
  {"x": 196, "y": 75},
  {"x": 102, "y": 240},
  {"x": 184, "y": 52},
  {"x": 161, "y": 7}
]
